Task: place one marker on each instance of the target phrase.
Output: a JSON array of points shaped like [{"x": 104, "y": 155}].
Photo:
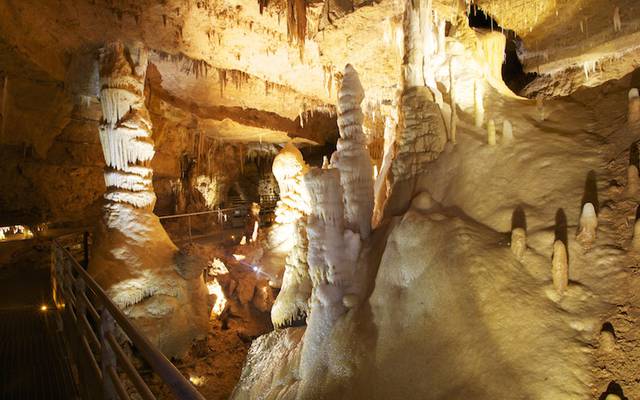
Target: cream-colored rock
[
  {"x": 491, "y": 133},
  {"x": 560, "y": 267},
  {"x": 607, "y": 341},
  {"x": 518, "y": 242},
  {"x": 133, "y": 258},
  {"x": 588, "y": 225},
  {"x": 507, "y": 131},
  {"x": 288, "y": 236}
]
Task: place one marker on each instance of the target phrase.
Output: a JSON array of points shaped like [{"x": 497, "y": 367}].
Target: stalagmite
[
  {"x": 560, "y": 267},
  {"x": 633, "y": 181},
  {"x": 351, "y": 157},
  {"x": 518, "y": 242},
  {"x": 634, "y": 106},
  {"x": 491, "y": 133},
  {"x": 607, "y": 339},
  {"x": 617, "y": 24},
  {"x": 133, "y": 259},
  {"x": 292, "y": 303},
  {"x": 507, "y": 131},
  {"x": 478, "y": 107},
  {"x": 588, "y": 225}
]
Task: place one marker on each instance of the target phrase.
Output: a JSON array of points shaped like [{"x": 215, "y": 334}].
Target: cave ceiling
[{"x": 233, "y": 67}]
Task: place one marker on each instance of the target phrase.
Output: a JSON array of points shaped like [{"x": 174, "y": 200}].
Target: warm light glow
[
  {"x": 254, "y": 235},
  {"x": 197, "y": 380},
  {"x": 15, "y": 232},
  {"x": 221, "y": 301},
  {"x": 239, "y": 257},
  {"x": 243, "y": 241},
  {"x": 375, "y": 172},
  {"x": 217, "y": 267},
  {"x": 43, "y": 307}
]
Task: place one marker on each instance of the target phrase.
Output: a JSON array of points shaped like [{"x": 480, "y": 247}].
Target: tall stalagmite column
[
  {"x": 352, "y": 156},
  {"x": 292, "y": 303},
  {"x": 133, "y": 258}
]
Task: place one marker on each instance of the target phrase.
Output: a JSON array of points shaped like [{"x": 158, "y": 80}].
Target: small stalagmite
[
  {"x": 560, "y": 267},
  {"x": 634, "y": 106},
  {"x": 491, "y": 133},
  {"x": 607, "y": 340},
  {"x": 507, "y": 131},
  {"x": 478, "y": 107},
  {"x": 518, "y": 242},
  {"x": 617, "y": 23},
  {"x": 588, "y": 225}
]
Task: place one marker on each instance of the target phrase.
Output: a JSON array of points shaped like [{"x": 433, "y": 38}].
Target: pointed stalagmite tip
[
  {"x": 588, "y": 224},
  {"x": 560, "y": 267}
]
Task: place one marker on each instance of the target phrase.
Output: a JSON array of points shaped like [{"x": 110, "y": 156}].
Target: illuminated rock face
[
  {"x": 292, "y": 303},
  {"x": 133, "y": 258}
]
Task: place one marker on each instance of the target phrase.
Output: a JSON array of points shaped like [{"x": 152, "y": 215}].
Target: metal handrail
[
  {"x": 169, "y": 374},
  {"x": 202, "y": 212}
]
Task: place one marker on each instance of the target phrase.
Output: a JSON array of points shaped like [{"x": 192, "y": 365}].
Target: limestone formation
[
  {"x": 507, "y": 131},
  {"x": 560, "y": 267},
  {"x": 588, "y": 225},
  {"x": 133, "y": 258},
  {"x": 352, "y": 157},
  {"x": 518, "y": 242},
  {"x": 292, "y": 303},
  {"x": 491, "y": 133}
]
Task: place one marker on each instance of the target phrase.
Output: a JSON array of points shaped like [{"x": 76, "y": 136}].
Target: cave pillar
[
  {"x": 133, "y": 258},
  {"x": 292, "y": 303}
]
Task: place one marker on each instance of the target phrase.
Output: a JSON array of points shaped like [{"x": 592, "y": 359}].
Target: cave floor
[{"x": 34, "y": 363}]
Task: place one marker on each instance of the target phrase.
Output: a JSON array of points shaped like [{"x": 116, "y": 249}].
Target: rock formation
[
  {"x": 559, "y": 267},
  {"x": 352, "y": 157},
  {"x": 289, "y": 236},
  {"x": 133, "y": 258}
]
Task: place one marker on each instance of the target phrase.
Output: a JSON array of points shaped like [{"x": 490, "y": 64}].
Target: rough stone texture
[{"x": 421, "y": 137}]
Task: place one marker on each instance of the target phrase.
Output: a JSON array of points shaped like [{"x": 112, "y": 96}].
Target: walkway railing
[
  {"x": 232, "y": 217},
  {"x": 97, "y": 323}
]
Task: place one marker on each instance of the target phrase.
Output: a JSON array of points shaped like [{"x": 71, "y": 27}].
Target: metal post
[{"x": 108, "y": 359}]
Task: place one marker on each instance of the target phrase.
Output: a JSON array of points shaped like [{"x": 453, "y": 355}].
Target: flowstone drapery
[{"x": 133, "y": 258}]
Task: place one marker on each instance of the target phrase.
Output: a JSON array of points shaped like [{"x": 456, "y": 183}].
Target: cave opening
[{"x": 513, "y": 73}]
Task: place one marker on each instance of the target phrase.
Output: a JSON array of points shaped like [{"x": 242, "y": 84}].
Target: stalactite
[{"x": 297, "y": 23}]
